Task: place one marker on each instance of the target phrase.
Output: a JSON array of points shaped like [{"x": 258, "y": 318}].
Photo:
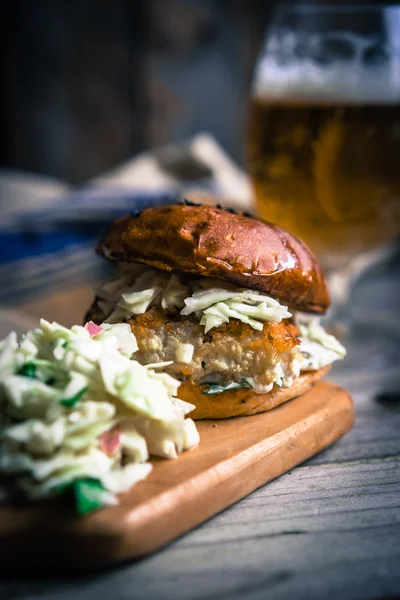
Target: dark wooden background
[{"x": 89, "y": 83}]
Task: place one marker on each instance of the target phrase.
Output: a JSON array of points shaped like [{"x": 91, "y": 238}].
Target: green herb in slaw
[{"x": 215, "y": 388}]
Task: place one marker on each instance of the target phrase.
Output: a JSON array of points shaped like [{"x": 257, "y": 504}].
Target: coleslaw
[
  {"x": 77, "y": 413},
  {"x": 212, "y": 302}
]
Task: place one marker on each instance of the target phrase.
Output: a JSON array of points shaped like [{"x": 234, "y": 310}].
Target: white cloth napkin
[{"x": 48, "y": 229}]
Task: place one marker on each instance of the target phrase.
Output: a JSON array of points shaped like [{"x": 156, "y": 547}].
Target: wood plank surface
[
  {"x": 235, "y": 457},
  {"x": 326, "y": 529}
]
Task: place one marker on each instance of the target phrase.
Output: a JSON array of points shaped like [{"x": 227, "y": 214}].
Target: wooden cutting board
[{"x": 235, "y": 457}]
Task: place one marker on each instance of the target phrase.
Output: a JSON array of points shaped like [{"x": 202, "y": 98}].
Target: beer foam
[
  {"x": 349, "y": 81},
  {"x": 340, "y": 83}
]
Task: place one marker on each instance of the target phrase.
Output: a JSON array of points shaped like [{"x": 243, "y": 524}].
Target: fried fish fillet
[{"x": 234, "y": 351}]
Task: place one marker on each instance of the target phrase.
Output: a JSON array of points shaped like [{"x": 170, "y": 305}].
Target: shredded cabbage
[
  {"x": 211, "y": 301},
  {"x": 77, "y": 413},
  {"x": 317, "y": 347},
  {"x": 122, "y": 332},
  {"x": 174, "y": 294},
  {"x": 136, "y": 298}
]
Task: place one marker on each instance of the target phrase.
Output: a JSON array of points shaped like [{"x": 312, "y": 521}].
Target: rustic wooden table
[{"x": 328, "y": 529}]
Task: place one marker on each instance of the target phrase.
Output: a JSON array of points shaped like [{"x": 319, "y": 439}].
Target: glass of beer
[{"x": 323, "y": 143}]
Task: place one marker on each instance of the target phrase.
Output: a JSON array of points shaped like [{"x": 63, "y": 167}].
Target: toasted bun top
[{"x": 216, "y": 242}]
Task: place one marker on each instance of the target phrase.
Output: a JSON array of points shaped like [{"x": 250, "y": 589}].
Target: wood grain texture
[
  {"x": 234, "y": 458},
  {"x": 328, "y": 529}
]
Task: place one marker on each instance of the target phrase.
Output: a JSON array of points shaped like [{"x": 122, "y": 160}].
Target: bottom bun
[{"x": 243, "y": 401}]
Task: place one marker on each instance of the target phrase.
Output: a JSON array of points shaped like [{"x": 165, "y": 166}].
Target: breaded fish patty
[{"x": 234, "y": 350}]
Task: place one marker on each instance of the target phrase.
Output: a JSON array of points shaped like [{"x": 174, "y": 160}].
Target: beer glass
[
  {"x": 323, "y": 151},
  {"x": 323, "y": 143}
]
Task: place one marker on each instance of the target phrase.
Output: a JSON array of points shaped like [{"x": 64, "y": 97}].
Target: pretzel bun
[
  {"x": 220, "y": 243},
  {"x": 243, "y": 401}
]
